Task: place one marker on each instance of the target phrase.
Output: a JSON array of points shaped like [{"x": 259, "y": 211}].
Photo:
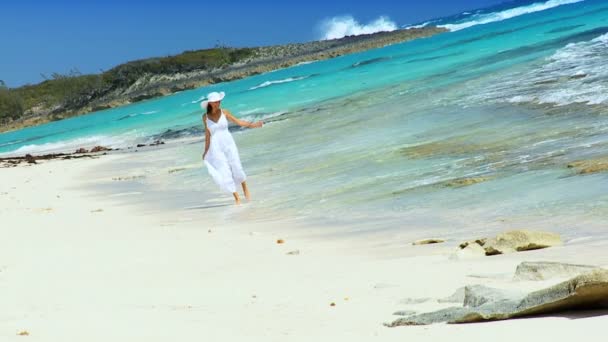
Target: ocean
[{"x": 475, "y": 127}]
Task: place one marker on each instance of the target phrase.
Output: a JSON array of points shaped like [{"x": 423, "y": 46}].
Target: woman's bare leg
[
  {"x": 237, "y": 200},
  {"x": 246, "y": 191}
]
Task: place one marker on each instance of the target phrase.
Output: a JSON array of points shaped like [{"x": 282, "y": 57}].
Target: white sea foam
[
  {"x": 486, "y": 18},
  {"x": 342, "y": 26},
  {"x": 66, "y": 146},
  {"x": 425, "y": 24},
  {"x": 199, "y": 99},
  {"x": 576, "y": 73},
  {"x": 264, "y": 116},
  {"x": 143, "y": 113},
  {"x": 269, "y": 83},
  {"x": 305, "y": 63},
  {"x": 250, "y": 111}
]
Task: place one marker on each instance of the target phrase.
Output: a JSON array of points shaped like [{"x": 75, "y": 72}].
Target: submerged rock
[
  {"x": 590, "y": 166},
  {"x": 586, "y": 291},
  {"x": 462, "y": 182}
]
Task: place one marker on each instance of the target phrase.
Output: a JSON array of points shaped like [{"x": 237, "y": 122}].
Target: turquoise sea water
[{"x": 510, "y": 102}]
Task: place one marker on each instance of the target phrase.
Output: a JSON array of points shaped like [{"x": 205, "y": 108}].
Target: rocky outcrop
[
  {"x": 586, "y": 291},
  {"x": 262, "y": 60},
  {"x": 509, "y": 242},
  {"x": 521, "y": 240}
]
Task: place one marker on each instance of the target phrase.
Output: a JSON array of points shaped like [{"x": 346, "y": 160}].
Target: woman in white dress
[{"x": 221, "y": 155}]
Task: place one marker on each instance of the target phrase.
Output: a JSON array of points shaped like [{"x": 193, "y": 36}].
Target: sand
[{"x": 77, "y": 264}]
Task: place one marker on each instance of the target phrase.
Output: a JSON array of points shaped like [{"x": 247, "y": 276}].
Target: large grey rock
[
  {"x": 586, "y": 291},
  {"x": 478, "y": 295},
  {"x": 549, "y": 270},
  {"x": 456, "y": 297}
]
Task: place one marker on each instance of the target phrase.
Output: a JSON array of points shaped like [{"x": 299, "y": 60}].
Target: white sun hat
[{"x": 213, "y": 97}]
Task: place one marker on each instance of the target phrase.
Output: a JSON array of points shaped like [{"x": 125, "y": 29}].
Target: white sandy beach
[{"x": 79, "y": 265}]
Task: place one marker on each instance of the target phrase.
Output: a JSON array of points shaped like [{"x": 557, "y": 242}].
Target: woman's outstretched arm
[{"x": 240, "y": 122}]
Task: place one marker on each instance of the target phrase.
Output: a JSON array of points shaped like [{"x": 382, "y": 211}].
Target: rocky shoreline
[
  {"x": 94, "y": 152},
  {"x": 263, "y": 59}
]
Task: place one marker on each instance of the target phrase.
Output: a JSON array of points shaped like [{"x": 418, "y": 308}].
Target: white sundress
[{"x": 222, "y": 158}]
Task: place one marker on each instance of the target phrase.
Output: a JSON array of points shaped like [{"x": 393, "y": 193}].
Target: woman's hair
[{"x": 209, "y": 109}]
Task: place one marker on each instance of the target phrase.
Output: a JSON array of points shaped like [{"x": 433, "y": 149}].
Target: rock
[
  {"x": 456, "y": 297},
  {"x": 296, "y": 252},
  {"x": 512, "y": 241},
  {"x": 23, "y": 333},
  {"x": 478, "y": 295},
  {"x": 427, "y": 241},
  {"x": 462, "y": 182},
  {"x": 82, "y": 150},
  {"x": 100, "y": 149},
  {"x": 141, "y": 145},
  {"x": 586, "y": 291},
  {"x": 549, "y": 270},
  {"x": 479, "y": 242},
  {"x": 520, "y": 240},
  {"x": 30, "y": 159},
  {"x": 157, "y": 142},
  {"x": 590, "y": 166},
  {"x": 280, "y": 241}
]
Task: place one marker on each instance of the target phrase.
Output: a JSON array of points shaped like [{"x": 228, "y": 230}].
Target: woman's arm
[
  {"x": 207, "y": 136},
  {"x": 242, "y": 123}
]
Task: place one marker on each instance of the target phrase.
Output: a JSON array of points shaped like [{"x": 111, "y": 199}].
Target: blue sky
[{"x": 55, "y": 36}]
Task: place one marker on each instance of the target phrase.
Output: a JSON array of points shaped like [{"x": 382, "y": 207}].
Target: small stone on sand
[{"x": 427, "y": 241}]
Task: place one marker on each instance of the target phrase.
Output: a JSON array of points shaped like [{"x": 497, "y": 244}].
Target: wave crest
[
  {"x": 487, "y": 18},
  {"x": 575, "y": 73},
  {"x": 342, "y": 26},
  {"x": 286, "y": 80}
]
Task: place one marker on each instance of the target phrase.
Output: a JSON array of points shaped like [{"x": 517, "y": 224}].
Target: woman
[{"x": 221, "y": 155}]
